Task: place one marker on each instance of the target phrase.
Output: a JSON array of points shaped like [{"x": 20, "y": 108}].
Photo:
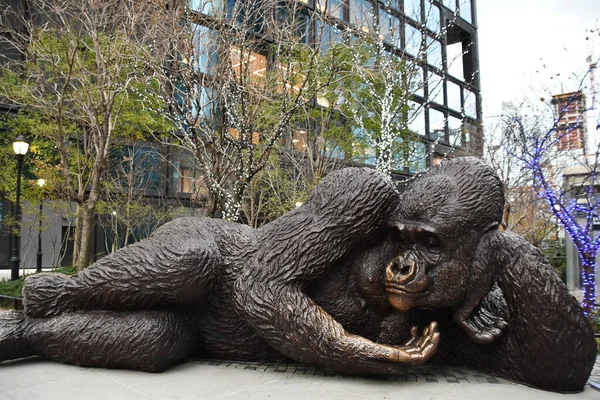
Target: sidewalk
[{"x": 35, "y": 378}]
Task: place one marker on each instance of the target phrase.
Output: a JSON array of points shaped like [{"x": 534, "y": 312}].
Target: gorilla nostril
[{"x": 404, "y": 269}]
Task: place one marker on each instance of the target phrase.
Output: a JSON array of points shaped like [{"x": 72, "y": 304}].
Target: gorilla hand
[
  {"x": 480, "y": 324},
  {"x": 418, "y": 349}
]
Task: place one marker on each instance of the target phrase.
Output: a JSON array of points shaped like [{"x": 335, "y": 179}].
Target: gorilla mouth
[{"x": 403, "y": 290}]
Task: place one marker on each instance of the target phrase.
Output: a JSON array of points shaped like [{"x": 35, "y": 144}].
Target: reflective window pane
[
  {"x": 206, "y": 48},
  {"x": 335, "y": 8},
  {"x": 412, "y": 37},
  {"x": 453, "y": 96},
  {"x": 389, "y": 28},
  {"x": 412, "y": 9},
  {"x": 470, "y": 104},
  {"x": 416, "y": 83},
  {"x": 432, "y": 17},
  {"x": 416, "y": 118},
  {"x": 435, "y": 86},
  {"x": 434, "y": 52},
  {"x": 451, "y": 4},
  {"x": 208, "y": 7},
  {"x": 465, "y": 10},
  {"x": 454, "y": 132},
  {"x": 417, "y": 157},
  {"x": 361, "y": 14},
  {"x": 437, "y": 125},
  {"x": 326, "y": 35}
]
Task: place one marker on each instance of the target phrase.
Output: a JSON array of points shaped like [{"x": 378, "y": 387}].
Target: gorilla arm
[
  {"x": 548, "y": 342},
  {"x": 346, "y": 210}
]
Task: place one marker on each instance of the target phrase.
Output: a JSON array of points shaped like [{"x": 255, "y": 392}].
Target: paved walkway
[{"x": 35, "y": 378}]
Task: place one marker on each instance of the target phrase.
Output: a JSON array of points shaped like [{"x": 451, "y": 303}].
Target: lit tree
[
  {"x": 378, "y": 90},
  {"x": 234, "y": 78},
  {"x": 564, "y": 174}
]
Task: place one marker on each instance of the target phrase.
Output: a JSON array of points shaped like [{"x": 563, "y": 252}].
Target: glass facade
[{"x": 435, "y": 38}]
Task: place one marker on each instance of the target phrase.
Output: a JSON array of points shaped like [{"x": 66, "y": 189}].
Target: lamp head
[{"x": 20, "y": 146}]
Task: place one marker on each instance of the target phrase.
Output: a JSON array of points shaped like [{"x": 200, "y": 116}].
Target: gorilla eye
[{"x": 431, "y": 243}]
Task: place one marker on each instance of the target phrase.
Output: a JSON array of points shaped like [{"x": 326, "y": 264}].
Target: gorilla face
[{"x": 430, "y": 271}]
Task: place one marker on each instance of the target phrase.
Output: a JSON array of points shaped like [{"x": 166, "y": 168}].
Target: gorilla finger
[
  {"x": 501, "y": 324},
  {"x": 414, "y": 332},
  {"x": 433, "y": 326},
  {"x": 477, "y": 322}
]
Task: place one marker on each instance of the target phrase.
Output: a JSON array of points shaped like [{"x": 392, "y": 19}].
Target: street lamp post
[
  {"x": 20, "y": 147},
  {"x": 41, "y": 183}
]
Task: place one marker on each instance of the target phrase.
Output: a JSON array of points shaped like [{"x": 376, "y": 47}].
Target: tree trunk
[
  {"x": 588, "y": 277},
  {"x": 86, "y": 237},
  {"x": 77, "y": 234}
]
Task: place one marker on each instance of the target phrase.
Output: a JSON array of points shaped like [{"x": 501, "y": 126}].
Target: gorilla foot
[
  {"x": 12, "y": 342},
  {"x": 44, "y": 295},
  {"x": 418, "y": 349}
]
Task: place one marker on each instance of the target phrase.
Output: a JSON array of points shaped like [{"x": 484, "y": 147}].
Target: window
[
  {"x": 416, "y": 83},
  {"x": 470, "y": 131},
  {"x": 417, "y": 160},
  {"x": 470, "y": 104},
  {"x": 432, "y": 17},
  {"x": 300, "y": 140},
  {"x": 412, "y": 9},
  {"x": 437, "y": 127},
  {"x": 208, "y": 7},
  {"x": 326, "y": 35},
  {"x": 335, "y": 8},
  {"x": 416, "y": 118},
  {"x": 136, "y": 167},
  {"x": 453, "y": 91},
  {"x": 412, "y": 37},
  {"x": 451, "y": 4},
  {"x": 465, "y": 11},
  {"x": 435, "y": 87},
  {"x": 361, "y": 14},
  {"x": 302, "y": 27},
  {"x": 248, "y": 64},
  {"x": 184, "y": 173},
  {"x": 389, "y": 28},
  {"x": 461, "y": 63},
  {"x": 235, "y": 134},
  {"x": 206, "y": 48},
  {"x": 363, "y": 150},
  {"x": 248, "y": 16},
  {"x": 434, "y": 52},
  {"x": 454, "y": 132},
  {"x": 204, "y": 108}
]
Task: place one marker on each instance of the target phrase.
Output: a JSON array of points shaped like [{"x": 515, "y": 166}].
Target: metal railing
[{"x": 17, "y": 301}]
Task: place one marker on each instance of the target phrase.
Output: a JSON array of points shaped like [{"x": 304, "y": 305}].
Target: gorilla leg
[
  {"x": 148, "y": 340},
  {"x": 179, "y": 264}
]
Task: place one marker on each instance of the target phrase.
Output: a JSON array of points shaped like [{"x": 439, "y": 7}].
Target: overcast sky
[{"x": 522, "y": 43}]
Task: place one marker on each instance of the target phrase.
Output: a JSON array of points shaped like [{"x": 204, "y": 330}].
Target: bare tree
[
  {"x": 77, "y": 65},
  {"x": 234, "y": 79}
]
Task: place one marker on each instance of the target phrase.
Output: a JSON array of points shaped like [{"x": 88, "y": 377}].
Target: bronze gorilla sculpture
[{"x": 338, "y": 282}]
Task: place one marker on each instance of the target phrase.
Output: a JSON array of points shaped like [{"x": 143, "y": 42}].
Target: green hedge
[{"x": 14, "y": 288}]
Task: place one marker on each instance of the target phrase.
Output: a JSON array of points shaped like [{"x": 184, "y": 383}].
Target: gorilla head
[{"x": 440, "y": 221}]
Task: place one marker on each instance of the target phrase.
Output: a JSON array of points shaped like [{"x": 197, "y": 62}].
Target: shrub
[{"x": 15, "y": 288}]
